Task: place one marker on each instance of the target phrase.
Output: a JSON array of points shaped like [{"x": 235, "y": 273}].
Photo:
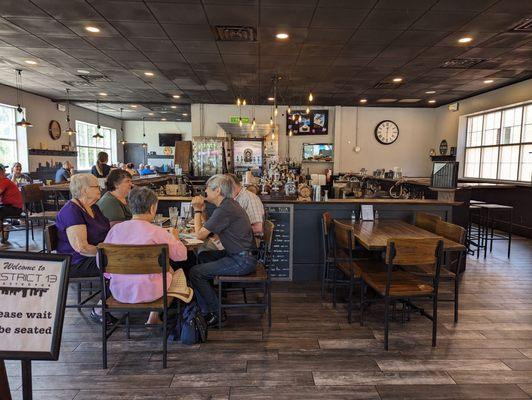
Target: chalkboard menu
[{"x": 282, "y": 215}]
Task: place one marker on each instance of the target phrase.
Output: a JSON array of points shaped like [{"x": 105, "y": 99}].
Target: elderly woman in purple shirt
[{"x": 81, "y": 226}]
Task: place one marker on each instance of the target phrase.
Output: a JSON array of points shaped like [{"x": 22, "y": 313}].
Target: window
[
  {"x": 12, "y": 139},
  {"x": 89, "y": 147},
  {"x": 499, "y": 145}
]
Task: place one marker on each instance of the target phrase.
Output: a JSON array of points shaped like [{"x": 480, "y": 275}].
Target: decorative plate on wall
[{"x": 54, "y": 129}]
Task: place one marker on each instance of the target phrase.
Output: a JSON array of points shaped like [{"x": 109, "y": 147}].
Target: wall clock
[
  {"x": 386, "y": 132},
  {"x": 54, "y": 129}
]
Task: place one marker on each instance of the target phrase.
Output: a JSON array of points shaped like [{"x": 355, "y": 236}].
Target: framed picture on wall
[{"x": 302, "y": 124}]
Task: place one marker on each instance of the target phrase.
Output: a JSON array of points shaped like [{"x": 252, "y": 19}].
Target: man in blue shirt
[{"x": 64, "y": 173}]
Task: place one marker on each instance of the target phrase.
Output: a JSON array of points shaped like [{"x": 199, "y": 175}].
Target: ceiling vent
[
  {"x": 95, "y": 78},
  {"x": 461, "y": 63},
  {"x": 524, "y": 25},
  {"x": 235, "y": 33},
  {"x": 386, "y": 85},
  {"x": 80, "y": 84}
]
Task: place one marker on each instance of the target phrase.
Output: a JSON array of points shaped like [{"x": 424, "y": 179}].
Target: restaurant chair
[
  {"x": 426, "y": 221},
  {"x": 133, "y": 260},
  {"x": 452, "y": 264},
  {"x": 50, "y": 242},
  {"x": 34, "y": 210},
  {"x": 347, "y": 264},
  {"x": 328, "y": 251},
  {"x": 260, "y": 278},
  {"x": 393, "y": 285}
]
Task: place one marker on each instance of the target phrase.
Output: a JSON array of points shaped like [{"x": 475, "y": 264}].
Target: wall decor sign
[
  {"x": 33, "y": 290},
  {"x": 316, "y": 122}
]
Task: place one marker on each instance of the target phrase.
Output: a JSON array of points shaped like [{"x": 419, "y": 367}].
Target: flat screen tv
[
  {"x": 169, "y": 139},
  {"x": 318, "y": 152}
]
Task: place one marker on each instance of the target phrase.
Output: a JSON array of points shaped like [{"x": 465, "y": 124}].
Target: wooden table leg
[{"x": 5, "y": 393}]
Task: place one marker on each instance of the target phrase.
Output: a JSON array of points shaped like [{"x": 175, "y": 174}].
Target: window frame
[
  {"x": 112, "y": 150},
  {"x": 500, "y": 146}
]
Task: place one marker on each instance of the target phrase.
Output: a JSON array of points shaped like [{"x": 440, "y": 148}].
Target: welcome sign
[{"x": 33, "y": 290}]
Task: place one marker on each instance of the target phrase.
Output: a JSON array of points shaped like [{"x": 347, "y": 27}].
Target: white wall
[
  {"x": 417, "y": 129},
  {"x": 40, "y": 111},
  {"x": 133, "y": 132}
]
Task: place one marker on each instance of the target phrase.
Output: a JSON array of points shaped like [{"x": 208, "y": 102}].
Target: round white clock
[{"x": 386, "y": 132}]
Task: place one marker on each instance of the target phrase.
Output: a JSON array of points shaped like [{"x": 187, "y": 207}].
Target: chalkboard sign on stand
[
  {"x": 282, "y": 215},
  {"x": 33, "y": 289}
]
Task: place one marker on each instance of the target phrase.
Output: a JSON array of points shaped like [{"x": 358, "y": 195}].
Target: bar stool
[
  {"x": 490, "y": 211},
  {"x": 474, "y": 234}
]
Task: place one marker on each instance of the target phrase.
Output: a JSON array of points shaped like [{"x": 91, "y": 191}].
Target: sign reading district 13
[{"x": 33, "y": 291}]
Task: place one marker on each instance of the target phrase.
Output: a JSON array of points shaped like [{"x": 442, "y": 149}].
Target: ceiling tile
[
  {"x": 327, "y": 17},
  {"x": 443, "y": 20},
  {"x": 288, "y": 16},
  {"x": 384, "y": 19},
  {"x": 122, "y": 10},
  {"x": 140, "y": 30}
]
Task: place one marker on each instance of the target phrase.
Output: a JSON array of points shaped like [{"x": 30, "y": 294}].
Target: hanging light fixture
[
  {"x": 20, "y": 101},
  {"x": 307, "y": 111},
  {"x": 144, "y": 144},
  {"x": 240, "y": 122},
  {"x": 310, "y": 97},
  {"x": 289, "y": 110},
  {"x": 69, "y": 131},
  {"x": 98, "y": 135},
  {"x": 238, "y": 102},
  {"x": 123, "y": 141}
]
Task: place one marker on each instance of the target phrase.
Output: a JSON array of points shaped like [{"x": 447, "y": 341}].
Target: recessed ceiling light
[
  {"x": 151, "y": 114},
  {"x": 432, "y": 101},
  {"x": 163, "y": 119},
  {"x": 271, "y": 99},
  {"x": 83, "y": 71},
  {"x": 174, "y": 107},
  {"x": 176, "y": 96},
  {"x": 184, "y": 115},
  {"x": 465, "y": 39},
  {"x": 92, "y": 29},
  {"x": 134, "y": 106},
  {"x": 397, "y": 80},
  {"x": 430, "y": 92},
  {"x": 30, "y": 62},
  {"x": 148, "y": 73},
  {"x": 488, "y": 81},
  {"x": 282, "y": 35},
  {"x": 102, "y": 94},
  {"x": 363, "y": 101}
]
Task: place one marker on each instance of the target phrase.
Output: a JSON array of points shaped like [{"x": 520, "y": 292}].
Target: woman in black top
[{"x": 101, "y": 169}]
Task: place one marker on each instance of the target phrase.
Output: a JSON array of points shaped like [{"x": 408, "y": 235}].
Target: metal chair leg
[
  {"x": 165, "y": 337},
  {"x": 334, "y": 289},
  {"x": 269, "y": 285},
  {"x": 386, "y": 321},
  {"x": 362, "y": 299},
  {"x": 350, "y": 303},
  {"x": 434, "y": 320},
  {"x": 128, "y": 330},
  {"x": 104, "y": 339},
  {"x": 219, "y": 304},
  {"x": 79, "y": 295},
  {"x": 456, "y": 287}
]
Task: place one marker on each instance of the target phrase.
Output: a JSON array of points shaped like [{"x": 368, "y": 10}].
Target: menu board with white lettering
[
  {"x": 282, "y": 215},
  {"x": 33, "y": 290}
]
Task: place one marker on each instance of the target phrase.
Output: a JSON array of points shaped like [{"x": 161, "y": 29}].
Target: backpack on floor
[{"x": 193, "y": 325}]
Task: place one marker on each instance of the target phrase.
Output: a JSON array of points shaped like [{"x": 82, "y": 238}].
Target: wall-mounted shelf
[
  {"x": 57, "y": 153},
  {"x": 161, "y": 156}
]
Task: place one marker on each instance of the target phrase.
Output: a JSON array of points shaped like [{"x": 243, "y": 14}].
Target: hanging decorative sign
[
  {"x": 316, "y": 122},
  {"x": 443, "y": 147}
]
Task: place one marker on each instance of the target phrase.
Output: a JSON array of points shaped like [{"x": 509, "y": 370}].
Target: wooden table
[{"x": 374, "y": 235}]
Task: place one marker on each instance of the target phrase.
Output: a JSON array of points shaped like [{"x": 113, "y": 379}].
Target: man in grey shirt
[{"x": 231, "y": 224}]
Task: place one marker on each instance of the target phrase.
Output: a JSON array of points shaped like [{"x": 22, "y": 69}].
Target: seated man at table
[
  {"x": 10, "y": 196},
  {"x": 230, "y": 222},
  {"x": 251, "y": 204},
  {"x": 64, "y": 173},
  {"x": 141, "y": 230}
]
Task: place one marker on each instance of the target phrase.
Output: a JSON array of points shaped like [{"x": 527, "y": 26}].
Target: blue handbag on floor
[{"x": 193, "y": 327}]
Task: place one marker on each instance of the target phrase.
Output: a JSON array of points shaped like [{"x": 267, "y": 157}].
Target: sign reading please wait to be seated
[{"x": 33, "y": 291}]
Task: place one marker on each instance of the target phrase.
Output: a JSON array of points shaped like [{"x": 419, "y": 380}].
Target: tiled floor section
[{"x": 311, "y": 352}]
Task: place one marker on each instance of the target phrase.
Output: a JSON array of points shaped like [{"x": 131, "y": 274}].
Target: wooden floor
[{"x": 311, "y": 352}]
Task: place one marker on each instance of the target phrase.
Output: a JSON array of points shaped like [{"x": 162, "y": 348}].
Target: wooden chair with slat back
[
  {"x": 51, "y": 239},
  {"x": 261, "y": 278},
  {"x": 396, "y": 285},
  {"x": 426, "y": 221},
  {"x": 346, "y": 263},
  {"x": 328, "y": 258},
  {"x": 33, "y": 199},
  {"x": 133, "y": 260}
]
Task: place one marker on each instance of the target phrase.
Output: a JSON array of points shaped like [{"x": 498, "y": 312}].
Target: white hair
[
  {"x": 78, "y": 182},
  {"x": 223, "y": 182}
]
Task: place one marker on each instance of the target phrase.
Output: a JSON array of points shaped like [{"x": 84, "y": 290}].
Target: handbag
[{"x": 193, "y": 326}]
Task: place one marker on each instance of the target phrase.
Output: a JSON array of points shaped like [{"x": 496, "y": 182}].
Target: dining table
[{"x": 374, "y": 235}]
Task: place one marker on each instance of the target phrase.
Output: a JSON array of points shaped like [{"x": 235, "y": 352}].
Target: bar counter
[{"x": 298, "y": 241}]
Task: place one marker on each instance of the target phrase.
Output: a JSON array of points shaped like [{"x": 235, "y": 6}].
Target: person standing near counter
[
  {"x": 101, "y": 169},
  {"x": 230, "y": 222}
]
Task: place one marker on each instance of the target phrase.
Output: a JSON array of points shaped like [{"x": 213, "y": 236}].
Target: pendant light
[
  {"x": 123, "y": 141},
  {"x": 357, "y": 147},
  {"x": 69, "y": 131},
  {"x": 20, "y": 100},
  {"x": 310, "y": 97},
  {"x": 97, "y": 135},
  {"x": 144, "y": 144}
]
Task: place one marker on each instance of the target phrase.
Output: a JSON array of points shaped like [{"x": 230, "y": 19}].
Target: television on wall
[
  {"x": 318, "y": 152},
  {"x": 169, "y": 139}
]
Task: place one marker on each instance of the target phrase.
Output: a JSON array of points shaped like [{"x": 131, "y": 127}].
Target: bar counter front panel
[{"x": 304, "y": 233}]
